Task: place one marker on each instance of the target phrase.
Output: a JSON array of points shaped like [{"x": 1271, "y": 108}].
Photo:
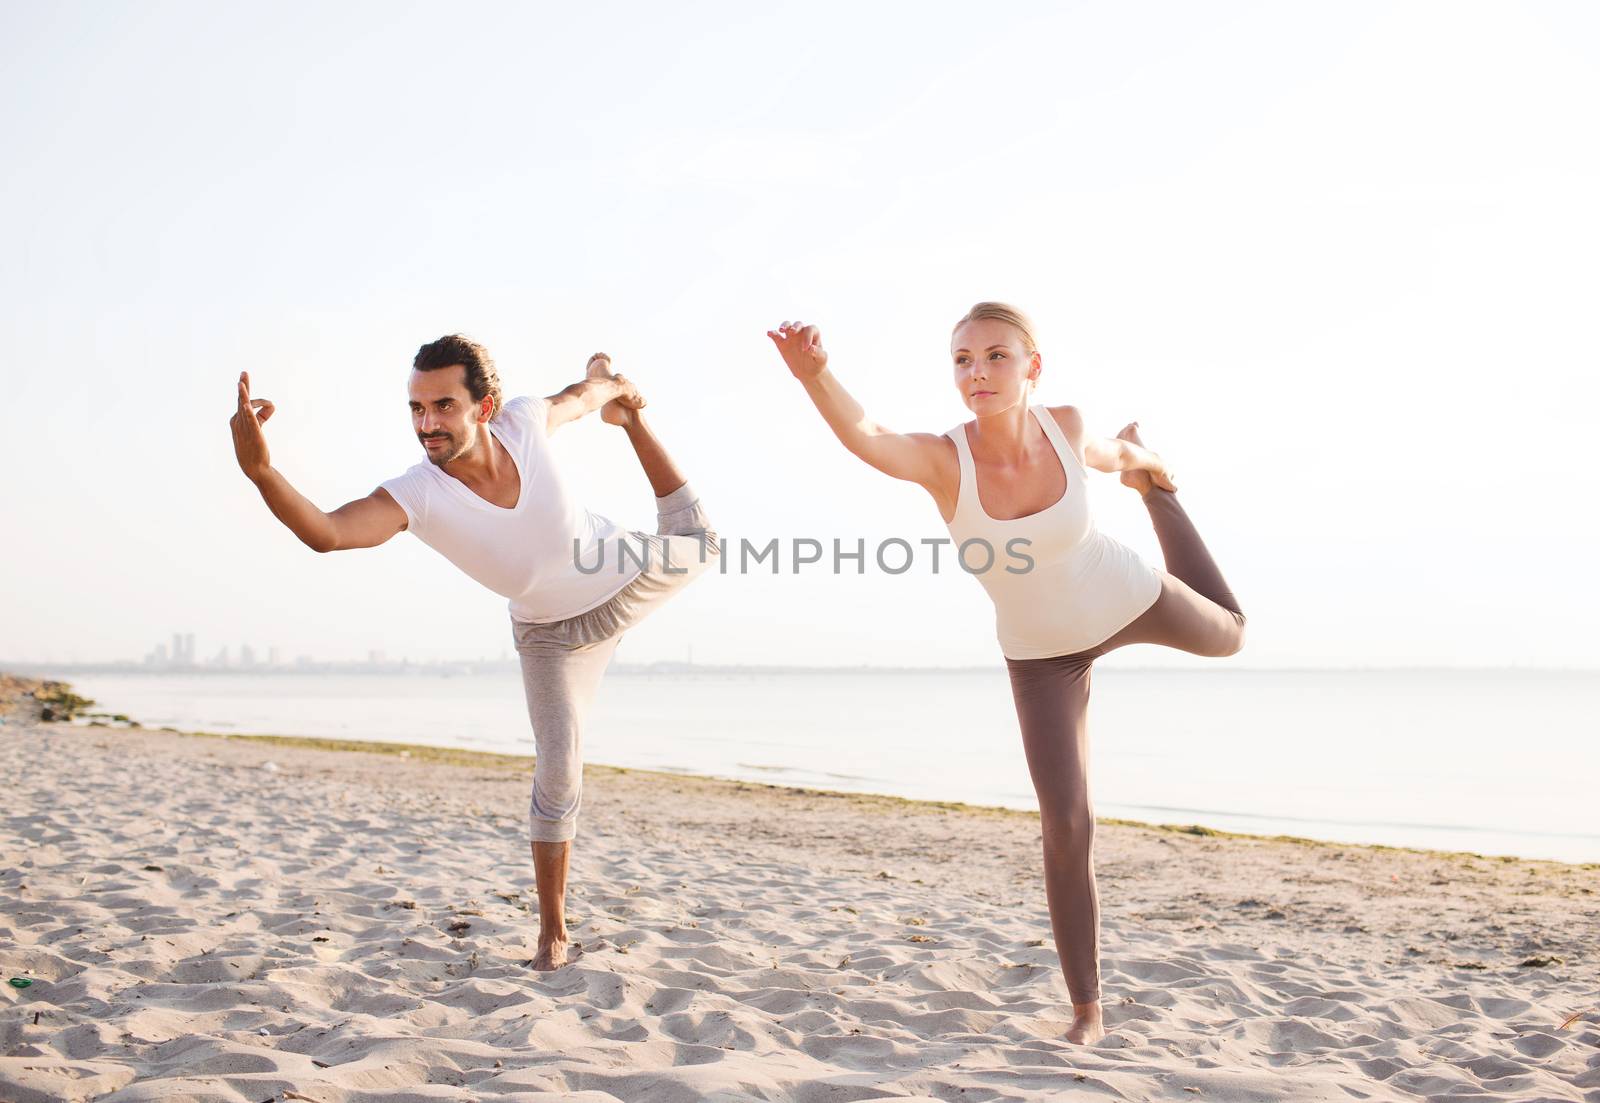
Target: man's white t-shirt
[{"x": 525, "y": 553}]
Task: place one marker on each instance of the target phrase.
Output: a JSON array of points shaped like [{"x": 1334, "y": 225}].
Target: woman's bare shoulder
[
  {"x": 1070, "y": 418},
  {"x": 1070, "y": 421},
  {"x": 943, "y": 479}
]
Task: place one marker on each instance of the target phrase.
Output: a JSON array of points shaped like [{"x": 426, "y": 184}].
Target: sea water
[{"x": 1497, "y": 762}]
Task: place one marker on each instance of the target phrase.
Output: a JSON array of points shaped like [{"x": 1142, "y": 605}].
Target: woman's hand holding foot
[{"x": 1155, "y": 475}]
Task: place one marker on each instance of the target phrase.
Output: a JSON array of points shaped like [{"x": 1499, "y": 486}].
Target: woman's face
[{"x": 992, "y": 368}]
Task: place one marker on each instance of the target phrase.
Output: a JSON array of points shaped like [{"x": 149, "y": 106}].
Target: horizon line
[{"x": 679, "y": 665}]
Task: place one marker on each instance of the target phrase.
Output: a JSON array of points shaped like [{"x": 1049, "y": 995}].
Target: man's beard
[{"x": 443, "y": 455}]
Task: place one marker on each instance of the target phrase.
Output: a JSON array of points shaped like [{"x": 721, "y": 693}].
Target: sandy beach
[{"x": 244, "y": 919}]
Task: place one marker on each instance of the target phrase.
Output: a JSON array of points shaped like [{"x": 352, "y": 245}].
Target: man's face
[{"x": 443, "y": 414}]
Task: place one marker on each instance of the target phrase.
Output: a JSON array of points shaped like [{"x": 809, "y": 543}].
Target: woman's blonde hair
[{"x": 1002, "y": 312}]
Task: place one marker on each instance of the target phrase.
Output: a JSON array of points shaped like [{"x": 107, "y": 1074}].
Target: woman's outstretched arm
[{"x": 915, "y": 457}]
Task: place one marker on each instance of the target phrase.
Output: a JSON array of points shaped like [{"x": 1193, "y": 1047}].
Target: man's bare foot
[
  {"x": 1139, "y": 480},
  {"x": 1087, "y": 1027},
  {"x": 551, "y": 955},
  {"x": 613, "y": 412}
]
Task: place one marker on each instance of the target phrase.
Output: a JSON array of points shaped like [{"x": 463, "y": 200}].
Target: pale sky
[{"x": 1338, "y": 259}]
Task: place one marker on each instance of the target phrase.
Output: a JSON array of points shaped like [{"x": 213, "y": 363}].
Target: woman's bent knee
[{"x": 1234, "y": 639}]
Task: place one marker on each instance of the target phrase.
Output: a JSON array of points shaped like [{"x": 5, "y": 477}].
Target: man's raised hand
[{"x": 249, "y": 441}]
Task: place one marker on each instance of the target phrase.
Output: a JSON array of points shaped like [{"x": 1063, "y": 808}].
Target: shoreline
[
  {"x": 422, "y": 752},
  {"x": 465, "y": 757}
]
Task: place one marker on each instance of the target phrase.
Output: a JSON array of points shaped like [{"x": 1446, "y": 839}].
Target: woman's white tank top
[{"x": 1082, "y": 586}]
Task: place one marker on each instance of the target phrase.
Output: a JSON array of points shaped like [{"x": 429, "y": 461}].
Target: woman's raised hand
[{"x": 800, "y": 346}]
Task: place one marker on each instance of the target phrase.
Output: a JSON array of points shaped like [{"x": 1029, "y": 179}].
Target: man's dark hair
[{"x": 483, "y": 381}]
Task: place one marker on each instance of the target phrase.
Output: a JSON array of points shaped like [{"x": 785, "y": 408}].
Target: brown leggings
[{"x": 1195, "y": 612}]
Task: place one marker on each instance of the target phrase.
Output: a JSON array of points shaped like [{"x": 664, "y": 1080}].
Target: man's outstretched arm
[{"x": 363, "y": 523}]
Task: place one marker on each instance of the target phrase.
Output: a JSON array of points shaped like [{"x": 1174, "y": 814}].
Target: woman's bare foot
[
  {"x": 1139, "y": 480},
  {"x": 613, "y": 412},
  {"x": 1087, "y": 1026},
  {"x": 551, "y": 955}
]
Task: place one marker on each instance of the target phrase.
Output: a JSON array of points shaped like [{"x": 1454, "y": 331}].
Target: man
[{"x": 491, "y": 500}]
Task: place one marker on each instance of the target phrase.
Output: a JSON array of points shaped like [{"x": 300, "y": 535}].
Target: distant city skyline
[
  {"x": 274, "y": 660},
  {"x": 181, "y": 655}
]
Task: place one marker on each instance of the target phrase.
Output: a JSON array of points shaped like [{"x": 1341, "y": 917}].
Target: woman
[{"x": 1064, "y": 593}]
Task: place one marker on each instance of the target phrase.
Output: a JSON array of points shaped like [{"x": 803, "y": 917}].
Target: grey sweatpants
[{"x": 562, "y": 661}]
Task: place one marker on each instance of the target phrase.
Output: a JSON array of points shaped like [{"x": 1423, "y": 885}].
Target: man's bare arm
[
  {"x": 363, "y": 523},
  {"x": 587, "y": 396}
]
